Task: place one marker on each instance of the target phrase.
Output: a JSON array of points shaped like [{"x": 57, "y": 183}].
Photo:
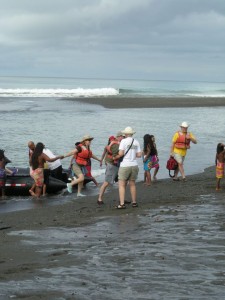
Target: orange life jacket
[
  {"x": 108, "y": 148},
  {"x": 82, "y": 157},
  {"x": 182, "y": 142}
]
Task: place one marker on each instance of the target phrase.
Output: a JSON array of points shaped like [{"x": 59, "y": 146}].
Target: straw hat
[
  {"x": 119, "y": 133},
  {"x": 184, "y": 124},
  {"x": 86, "y": 137},
  {"x": 128, "y": 130}
]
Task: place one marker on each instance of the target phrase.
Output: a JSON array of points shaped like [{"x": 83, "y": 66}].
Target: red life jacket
[
  {"x": 182, "y": 142},
  {"x": 108, "y": 148},
  {"x": 83, "y": 156}
]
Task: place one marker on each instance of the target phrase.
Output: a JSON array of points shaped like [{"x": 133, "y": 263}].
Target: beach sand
[{"x": 152, "y": 102}]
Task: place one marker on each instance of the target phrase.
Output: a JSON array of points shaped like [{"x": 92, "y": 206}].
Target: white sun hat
[
  {"x": 128, "y": 130},
  {"x": 184, "y": 124}
]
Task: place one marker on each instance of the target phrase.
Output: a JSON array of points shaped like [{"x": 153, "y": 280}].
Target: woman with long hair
[
  {"x": 150, "y": 158},
  {"x": 37, "y": 161}
]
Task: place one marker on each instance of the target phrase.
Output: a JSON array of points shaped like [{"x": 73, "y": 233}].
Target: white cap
[{"x": 184, "y": 124}]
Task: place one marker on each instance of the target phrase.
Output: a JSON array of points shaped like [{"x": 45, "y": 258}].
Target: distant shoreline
[{"x": 151, "y": 102}]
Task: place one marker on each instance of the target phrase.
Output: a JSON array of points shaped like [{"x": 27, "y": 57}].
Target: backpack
[{"x": 171, "y": 165}]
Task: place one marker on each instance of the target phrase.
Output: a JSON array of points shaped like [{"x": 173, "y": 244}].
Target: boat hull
[{"x": 19, "y": 184}]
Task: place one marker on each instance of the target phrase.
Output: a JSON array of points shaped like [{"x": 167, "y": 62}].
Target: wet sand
[
  {"x": 152, "y": 102},
  {"x": 19, "y": 262}
]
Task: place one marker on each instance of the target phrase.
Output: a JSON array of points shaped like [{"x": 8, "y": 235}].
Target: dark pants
[
  {"x": 57, "y": 173},
  {"x": 46, "y": 176}
]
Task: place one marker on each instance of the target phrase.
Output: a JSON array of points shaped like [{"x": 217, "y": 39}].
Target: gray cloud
[{"x": 114, "y": 38}]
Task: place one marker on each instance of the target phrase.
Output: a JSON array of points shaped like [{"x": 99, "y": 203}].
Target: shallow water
[
  {"x": 17, "y": 203},
  {"x": 170, "y": 252}
]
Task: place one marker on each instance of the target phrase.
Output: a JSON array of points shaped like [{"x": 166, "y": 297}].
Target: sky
[{"x": 127, "y": 39}]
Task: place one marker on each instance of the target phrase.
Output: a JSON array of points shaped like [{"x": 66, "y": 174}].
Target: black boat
[{"x": 20, "y": 183}]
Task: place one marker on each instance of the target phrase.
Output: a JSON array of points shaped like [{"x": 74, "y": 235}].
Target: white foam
[
  {"x": 69, "y": 93},
  {"x": 221, "y": 95},
  {"x": 97, "y": 173}
]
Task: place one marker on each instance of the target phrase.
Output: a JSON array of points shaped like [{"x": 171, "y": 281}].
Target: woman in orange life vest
[
  {"x": 180, "y": 143},
  {"x": 81, "y": 154},
  {"x": 88, "y": 167}
]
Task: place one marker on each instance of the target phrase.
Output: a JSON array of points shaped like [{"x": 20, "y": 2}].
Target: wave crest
[{"x": 68, "y": 93}]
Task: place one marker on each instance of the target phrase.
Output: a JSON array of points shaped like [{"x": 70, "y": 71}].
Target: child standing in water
[
  {"x": 147, "y": 159},
  {"x": 154, "y": 157},
  {"x": 150, "y": 158},
  {"x": 220, "y": 160}
]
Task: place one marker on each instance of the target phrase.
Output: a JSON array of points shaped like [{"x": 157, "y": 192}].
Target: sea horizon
[{"x": 35, "y": 86}]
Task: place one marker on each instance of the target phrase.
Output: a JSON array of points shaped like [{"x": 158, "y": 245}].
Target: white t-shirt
[
  {"x": 129, "y": 159},
  {"x": 52, "y": 165}
]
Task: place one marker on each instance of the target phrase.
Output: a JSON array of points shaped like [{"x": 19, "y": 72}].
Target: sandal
[
  {"x": 100, "y": 202},
  {"x": 121, "y": 206},
  {"x": 176, "y": 179},
  {"x": 134, "y": 204}
]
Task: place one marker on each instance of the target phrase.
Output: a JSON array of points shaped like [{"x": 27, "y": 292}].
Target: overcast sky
[{"x": 139, "y": 39}]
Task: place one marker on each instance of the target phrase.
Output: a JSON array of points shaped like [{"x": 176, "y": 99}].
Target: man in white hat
[
  {"x": 180, "y": 143},
  {"x": 129, "y": 149}
]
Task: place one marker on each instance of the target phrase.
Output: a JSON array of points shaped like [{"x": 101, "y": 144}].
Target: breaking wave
[{"x": 68, "y": 93}]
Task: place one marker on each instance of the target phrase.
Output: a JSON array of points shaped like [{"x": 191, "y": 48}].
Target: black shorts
[
  {"x": 57, "y": 173},
  {"x": 46, "y": 176}
]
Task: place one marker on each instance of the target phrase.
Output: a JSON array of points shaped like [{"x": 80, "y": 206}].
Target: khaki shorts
[
  {"x": 179, "y": 158},
  {"x": 128, "y": 173},
  {"x": 77, "y": 169}
]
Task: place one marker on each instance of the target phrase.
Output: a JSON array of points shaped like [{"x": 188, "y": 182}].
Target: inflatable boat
[{"x": 20, "y": 183}]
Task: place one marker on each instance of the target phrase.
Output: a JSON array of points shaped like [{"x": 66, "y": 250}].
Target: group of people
[
  {"x": 120, "y": 156},
  {"x": 44, "y": 163},
  {"x": 121, "y": 160},
  {"x": 128, "y": 148}
]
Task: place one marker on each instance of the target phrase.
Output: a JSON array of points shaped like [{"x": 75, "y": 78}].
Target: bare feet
[{"x": 32, "y": 193}]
